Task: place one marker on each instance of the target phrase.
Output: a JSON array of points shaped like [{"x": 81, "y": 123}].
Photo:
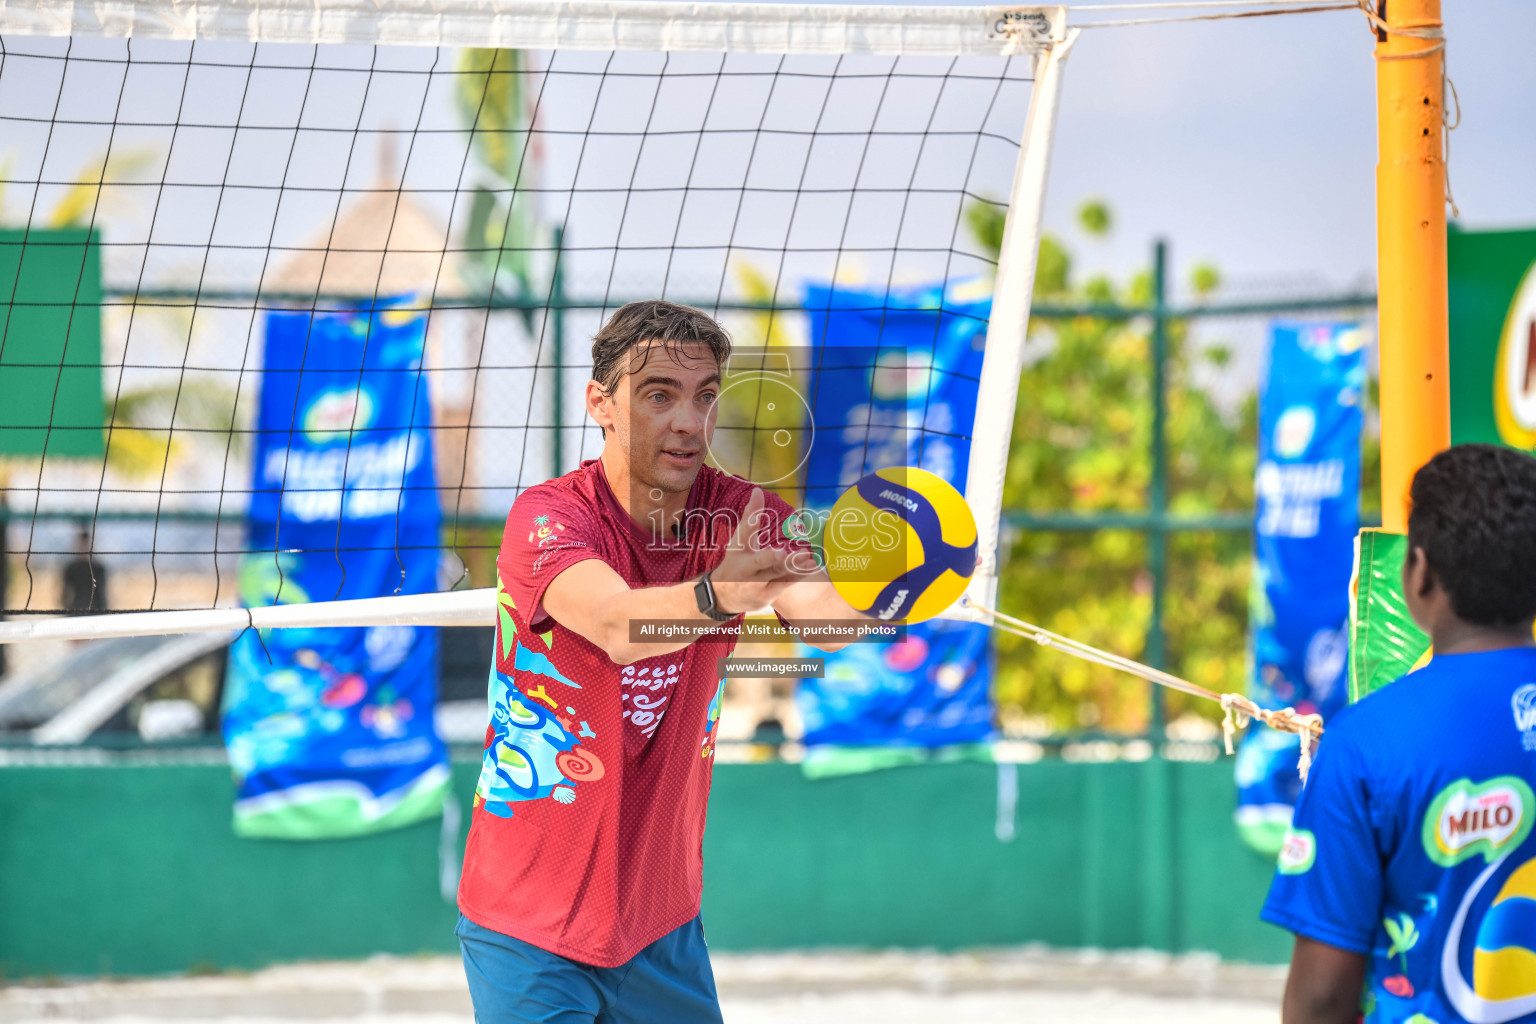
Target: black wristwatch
[{"x": 704, "y": 593}]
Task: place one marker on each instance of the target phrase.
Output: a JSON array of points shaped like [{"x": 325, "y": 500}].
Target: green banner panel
[
  {"x": 1491, "y": 283},
  {"x": 1384, "y": 644},
  {"x": 1492, "y": 292},
  {"x": 50, "y": 342}
]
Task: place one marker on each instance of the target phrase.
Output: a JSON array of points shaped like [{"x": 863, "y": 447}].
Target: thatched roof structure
[{"x": 382, "y": 242}]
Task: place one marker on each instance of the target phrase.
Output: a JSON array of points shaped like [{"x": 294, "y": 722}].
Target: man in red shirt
[{"x": 582, "y": 877}]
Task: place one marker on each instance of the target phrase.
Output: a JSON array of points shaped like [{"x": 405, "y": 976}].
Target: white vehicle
[{"x": 169, "y": 689}]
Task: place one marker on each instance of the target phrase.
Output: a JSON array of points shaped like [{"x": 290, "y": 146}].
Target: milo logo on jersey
[
  {"x": 1469, "y": 818},
  {"x": 1298, "y": 852}
]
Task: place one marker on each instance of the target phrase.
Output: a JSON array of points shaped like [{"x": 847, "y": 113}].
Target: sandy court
[
  {"x": 886, "y": 1008},
  {"x": 1020, "y": 986},
  {"x": 996, "y": 1008}
]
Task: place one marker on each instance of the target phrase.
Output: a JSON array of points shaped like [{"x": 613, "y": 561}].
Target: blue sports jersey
[{"x": 1412, "y": 843}]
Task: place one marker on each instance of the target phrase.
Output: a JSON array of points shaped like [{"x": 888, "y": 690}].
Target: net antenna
[{"x": 498, "y": 298}]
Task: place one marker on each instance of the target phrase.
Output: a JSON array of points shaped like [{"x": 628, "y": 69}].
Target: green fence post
[
  {"x": 1157, "y": 896},
  {"x": 1157, "y": 534},
  {"x": 557, "y": 352}
]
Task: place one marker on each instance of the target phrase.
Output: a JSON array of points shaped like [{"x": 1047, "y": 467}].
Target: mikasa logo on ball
[
  {"x": 895, "y": 605},
  {"x": 890, "y": 495}
]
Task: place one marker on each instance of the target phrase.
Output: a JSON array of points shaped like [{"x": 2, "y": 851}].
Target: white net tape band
[
  {"x": 547, "y": 25},
  {"x": 455, "y": 608}
]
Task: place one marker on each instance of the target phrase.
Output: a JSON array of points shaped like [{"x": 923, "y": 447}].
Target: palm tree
[{"x": 502, "y": 226}]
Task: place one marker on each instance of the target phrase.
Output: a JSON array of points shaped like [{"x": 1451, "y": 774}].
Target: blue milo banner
[
  {"x": 896, "y": 385},
  {"x": 1307, "y": 490},
  {"x": 330, "y": 731}
]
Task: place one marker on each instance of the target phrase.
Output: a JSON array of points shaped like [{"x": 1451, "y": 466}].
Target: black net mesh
[{"x": 165, "y": 204}]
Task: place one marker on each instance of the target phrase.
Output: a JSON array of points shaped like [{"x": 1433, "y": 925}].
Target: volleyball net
[{"x": 285, "y": 281}]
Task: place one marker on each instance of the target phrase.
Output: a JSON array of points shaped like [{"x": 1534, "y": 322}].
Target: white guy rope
[
  {"x": 1239, "y": 710},
  {"x": 607, "y": 25},
  {"x": 1181, "y": 4},
  {"x": 1220, "y": 16}
]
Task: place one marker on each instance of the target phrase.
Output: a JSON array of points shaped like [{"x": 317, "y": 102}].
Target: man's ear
[
  {"x": 1418, "y": 575},
  {"x": 600, "y": 406}
]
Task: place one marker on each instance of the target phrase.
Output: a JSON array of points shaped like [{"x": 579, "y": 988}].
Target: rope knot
[
  {"x": 1309, "y": 728},
  {"x": 1237, "y": 711}
]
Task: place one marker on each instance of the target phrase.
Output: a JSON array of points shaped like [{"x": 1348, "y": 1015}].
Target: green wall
[{"x": 133, "y": 869}]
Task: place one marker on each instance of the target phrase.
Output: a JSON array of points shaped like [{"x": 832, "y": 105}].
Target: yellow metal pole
[{"x": 1410, "y": 234}]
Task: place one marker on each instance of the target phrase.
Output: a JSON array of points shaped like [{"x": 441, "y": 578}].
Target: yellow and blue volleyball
[
  {"x": 1504, "y": 964},
  {"x": 900, "y": 545}
]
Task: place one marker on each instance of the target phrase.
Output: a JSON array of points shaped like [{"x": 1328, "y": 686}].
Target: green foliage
[
  {"x": 1095, "y": 218},
  {"x": 1204, "y": 279},
  {"x": 756, "y": 412},
  {"x": 489, "y": 96},
  {"x": 985, "y": 220},
  {"x": 141, "y": 438},
  {"x": 1370, "y": 456},
  {"x": 501, "y": 225},
  {"x": 1053, "y": 267},
  {"x": 1081, "y": 443},
  {"x": 80, "y": 205}
]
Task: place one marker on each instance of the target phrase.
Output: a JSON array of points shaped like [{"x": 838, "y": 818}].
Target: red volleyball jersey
[{"x": 588, "y": 825}]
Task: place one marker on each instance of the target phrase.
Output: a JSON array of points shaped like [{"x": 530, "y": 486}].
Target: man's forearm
[
  {"x": 1306, "y": 1004},
  {"x": 816, "y": 599},
  {"x": 1324, "y": 984},
  {"x": 669, "y": 603}
]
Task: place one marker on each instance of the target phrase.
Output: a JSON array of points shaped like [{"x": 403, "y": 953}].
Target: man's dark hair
[
  {"x": 653, "y": 322},
  {"x": 1474, "y": 514}
]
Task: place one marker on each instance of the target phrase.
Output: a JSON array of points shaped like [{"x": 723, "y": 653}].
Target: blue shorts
[{"x": 513, "y": 982}]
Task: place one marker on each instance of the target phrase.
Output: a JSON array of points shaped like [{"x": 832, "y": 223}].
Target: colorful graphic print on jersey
[
  {"x": 533, "y": 751},
  {"x": 711, "y": 726},
  {"x": 1502, "y": 987},
  {"x": 1492, "y": 819}
]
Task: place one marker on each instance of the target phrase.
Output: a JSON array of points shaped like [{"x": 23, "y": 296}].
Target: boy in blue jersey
[{"x": 1409, "y": 873}]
